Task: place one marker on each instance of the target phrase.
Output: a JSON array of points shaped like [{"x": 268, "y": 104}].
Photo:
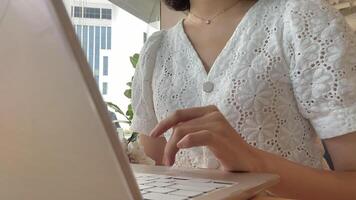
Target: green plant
[{"x": 128, "y": 115}]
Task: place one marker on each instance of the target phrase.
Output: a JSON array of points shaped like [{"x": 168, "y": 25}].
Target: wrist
[{"x": 258, "y": 161}]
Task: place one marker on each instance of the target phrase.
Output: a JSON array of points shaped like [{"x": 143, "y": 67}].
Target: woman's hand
[{"x": 206, "y": 126}]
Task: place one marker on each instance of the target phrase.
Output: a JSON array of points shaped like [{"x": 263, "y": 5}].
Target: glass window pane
[
  {"x": 79, "y": 32},
  {"x": 105, "y": 65},
  {"x": 106, "y": 13},
  {"x": 85, "y": 40},
  {"x": 105, "y": 88},
  {"x": 103, "y": 37},
  {"x": 108, "y": 46},
  {"x": 78, "y": 11},
  {"x": 91, "y": 46},
  {"x": 97, "y": 51},
  {"x": 144, "y": 37},
  {"x": 93, "y": 13}
]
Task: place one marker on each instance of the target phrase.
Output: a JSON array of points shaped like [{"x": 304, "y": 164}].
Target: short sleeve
[
  {"x": 323, "y": 66},
  {"x": 145, "y": 119}
]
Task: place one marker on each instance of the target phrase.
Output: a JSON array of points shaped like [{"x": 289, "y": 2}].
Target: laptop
[{"x": 57, "y": 140}]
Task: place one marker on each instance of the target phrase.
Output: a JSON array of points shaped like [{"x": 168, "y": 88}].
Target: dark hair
[{"x": 178, "y": 5}]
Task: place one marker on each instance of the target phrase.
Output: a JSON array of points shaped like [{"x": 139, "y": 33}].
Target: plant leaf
[
  {"x": 127, "y": 93},
  {"x": 134, "y": 60},
  {"x": 129, "y": 84},
  {"x": 115, "y": 108},
  {"x": 129, "y": 112}
]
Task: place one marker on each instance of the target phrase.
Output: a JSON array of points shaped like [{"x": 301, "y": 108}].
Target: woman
[{"x": 246, "y": 85}]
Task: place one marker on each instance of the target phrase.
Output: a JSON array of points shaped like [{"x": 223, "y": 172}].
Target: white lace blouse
[{"x": 285, "y": 78}]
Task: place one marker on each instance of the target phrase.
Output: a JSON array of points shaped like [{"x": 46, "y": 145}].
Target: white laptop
[{"x": 56, "y": 138}]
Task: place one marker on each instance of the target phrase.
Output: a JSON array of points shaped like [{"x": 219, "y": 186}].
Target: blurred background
[{"x": 112, "y": 31}]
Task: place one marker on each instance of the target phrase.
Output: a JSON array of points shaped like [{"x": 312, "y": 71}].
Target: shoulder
[
  {"x": 153, "y": 44},
  {"x": 317, "y": 18},
  {"x": 307, "y": 4},
  {"x": 318, "y": 10},
  {"x": 149, "y": 53}
]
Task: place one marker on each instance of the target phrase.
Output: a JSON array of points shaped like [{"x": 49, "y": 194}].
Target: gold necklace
[{"x": 208, "y": 21}]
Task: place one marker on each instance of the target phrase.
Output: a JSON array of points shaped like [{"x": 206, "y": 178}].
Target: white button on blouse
[
  {"x": 286, "y": 76},
  {"x": 208, "y": 87}
]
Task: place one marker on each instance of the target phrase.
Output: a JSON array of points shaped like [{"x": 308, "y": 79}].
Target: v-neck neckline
[{"x": 223, "y": 50}]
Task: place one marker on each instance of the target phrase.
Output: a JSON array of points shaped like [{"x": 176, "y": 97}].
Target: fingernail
[
  {"x": 153, "y": 133},
  {"x": 179, "y": 145}
]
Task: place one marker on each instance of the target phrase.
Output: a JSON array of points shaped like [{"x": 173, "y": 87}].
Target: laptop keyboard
[{"x": 158, "y": 187}]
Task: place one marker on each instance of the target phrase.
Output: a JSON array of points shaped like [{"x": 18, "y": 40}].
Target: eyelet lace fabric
[{"x": 286, "y": 78}]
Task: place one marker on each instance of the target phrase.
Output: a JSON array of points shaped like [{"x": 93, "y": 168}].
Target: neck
[{"x": 207, "y": 8}]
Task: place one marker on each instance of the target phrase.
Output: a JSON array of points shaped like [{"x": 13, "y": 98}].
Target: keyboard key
[
  {"x": 164, "y": 180},
  {"x": 160, "y": 184},
  {"x": 180, "y": 178},
  {"x": 192, "y": 188},
  {"x": 158, "y": 196},
  {"x": 199, "y": 184},
  {"x": 147, "y": 178},
  {"x": 140, "y": 175},
  {"x": 186, "y": 193},
  {"x": 143, "y": 182},
  {"x": 225, "y": 183},
  {"x": 161, "y": 190},
  {"x": 200, "y": 180},
  {"x": 143, "y": 187}
]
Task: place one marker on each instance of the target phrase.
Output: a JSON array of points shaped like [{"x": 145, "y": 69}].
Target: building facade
[
  {"x": 109, "y": 35},
  {"x": 93, "y": 21}
]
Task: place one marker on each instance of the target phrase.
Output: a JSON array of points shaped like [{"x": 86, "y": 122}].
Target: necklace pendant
[{"x": 208, "y": 22}]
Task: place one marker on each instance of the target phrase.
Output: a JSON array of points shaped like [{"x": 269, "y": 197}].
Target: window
[
  {"x": 85, "y": 40},
  {"x": 97, "y": 50},
  {"x": 108, "y": 46},
  {"x": 105, "y": 88},
  {"x": 106, "y": 13},
  {"x": 103, "y": 37},
  {"x": 79, "y": 31},
  {"x": 105, "y": 66},
  {"x": 93, "y": 13},
  {"x": 91, "y": 46},
  {"x": 144, "y": 37},
  {"x": 78, "y": 11}
]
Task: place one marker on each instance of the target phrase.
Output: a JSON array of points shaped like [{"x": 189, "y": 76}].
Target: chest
[
  {"x": 245, "y": 77},
  {"x": 209, "y": 41},
  {"x": 249, "y": 74}
]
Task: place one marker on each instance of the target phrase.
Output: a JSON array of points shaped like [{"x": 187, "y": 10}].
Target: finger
[
  {"x": 219, "y": 146},
  {"x": 207, "y": 122},
  {"x": 179, "y": 132},
  {"x": 181, "y": 116},
  {"x": 197, "y": 139}
]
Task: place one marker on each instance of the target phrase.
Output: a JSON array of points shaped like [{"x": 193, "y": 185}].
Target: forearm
[{"x": 301, "y": 182}]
